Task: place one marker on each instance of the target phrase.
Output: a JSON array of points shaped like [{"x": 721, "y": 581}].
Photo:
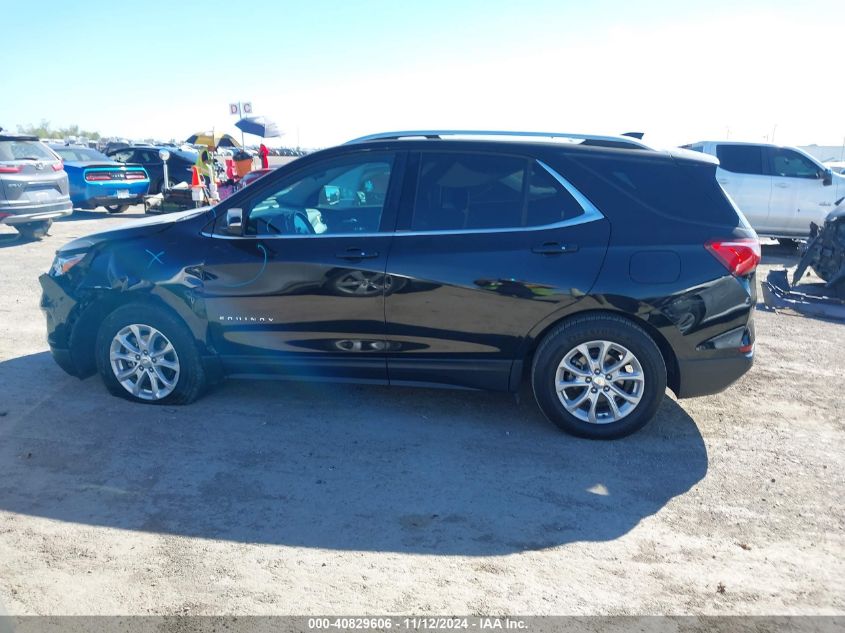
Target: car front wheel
[
  {"x": 599, "y": 377},
  {"x": 147, "y": 355}
]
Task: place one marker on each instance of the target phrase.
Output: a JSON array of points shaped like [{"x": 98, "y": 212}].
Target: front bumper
[
  {"x": 40, "y": 213},
  {"x": 59, "y": 310}
]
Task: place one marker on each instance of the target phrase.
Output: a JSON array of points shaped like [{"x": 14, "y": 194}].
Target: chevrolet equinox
[{"x": 596, "y": 268}]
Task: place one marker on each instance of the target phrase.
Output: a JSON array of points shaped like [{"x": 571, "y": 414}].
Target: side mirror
[
  {"x": 235, "y": 221},
  {"x": 827, "y": 178}
]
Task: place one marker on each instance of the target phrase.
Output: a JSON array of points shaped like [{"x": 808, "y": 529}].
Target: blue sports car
[{"x": 98, "y": 181}]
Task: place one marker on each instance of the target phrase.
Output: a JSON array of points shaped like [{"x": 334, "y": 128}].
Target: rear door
[
  {"x": 743, "y": 175},
  {"x": 488, "y": 245},
  {"x": 799, "y": 195}
]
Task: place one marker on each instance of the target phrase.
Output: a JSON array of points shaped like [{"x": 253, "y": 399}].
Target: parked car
[
  {"x": 33, "y": 186},
  {"x": 178, "y": 165},
  {"x": 781, "y": 190},
  {"x": 599, "y": 271},
  {"x": 255, "y": 174},
  {"x": 98, "y": 181}
]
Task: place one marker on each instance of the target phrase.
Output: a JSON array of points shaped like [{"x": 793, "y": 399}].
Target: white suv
[{"x": 779, "y": 189}]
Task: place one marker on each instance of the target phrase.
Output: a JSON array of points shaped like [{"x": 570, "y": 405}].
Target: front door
[
  {"x": 799, "y": 195},
  {"x": 300, "y": 293}
]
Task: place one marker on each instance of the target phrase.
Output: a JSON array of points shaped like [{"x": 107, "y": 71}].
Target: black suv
[{"x": 597, "y": 268}]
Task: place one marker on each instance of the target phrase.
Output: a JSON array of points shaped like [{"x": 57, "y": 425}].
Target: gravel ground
[{"x": 276, "y": 498}]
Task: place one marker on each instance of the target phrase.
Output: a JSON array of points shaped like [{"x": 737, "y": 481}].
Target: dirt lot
[{"x": 273, "y": 498}]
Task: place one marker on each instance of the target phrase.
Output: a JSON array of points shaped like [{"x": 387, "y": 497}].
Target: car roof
[
  {"x": 18, "y": 137},
  {"x": 531, "y": 147}
]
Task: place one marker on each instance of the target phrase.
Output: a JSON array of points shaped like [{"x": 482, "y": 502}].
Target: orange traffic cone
[
  {"x": 197, "y": 192},
  {"x": 195, "y": 177}
]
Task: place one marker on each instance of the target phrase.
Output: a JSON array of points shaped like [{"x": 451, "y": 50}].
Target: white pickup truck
[{"x": 781, "y": 190}]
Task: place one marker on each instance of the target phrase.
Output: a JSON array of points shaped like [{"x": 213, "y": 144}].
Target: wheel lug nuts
[
  {"x": 589, "y": 379},
  {"x": 607, "y": 388},
  {"x": 597, "y": 372},
  {"x": 609, "y": 377},
  {"x": 594, "y": 390},
  {"x": 137, "y": 357}
]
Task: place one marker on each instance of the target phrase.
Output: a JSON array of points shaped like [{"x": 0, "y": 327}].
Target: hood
[{"x": 133, "y": 229}]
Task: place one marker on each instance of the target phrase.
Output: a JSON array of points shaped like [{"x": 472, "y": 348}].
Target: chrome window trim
[{"x": 590, "y": 214}]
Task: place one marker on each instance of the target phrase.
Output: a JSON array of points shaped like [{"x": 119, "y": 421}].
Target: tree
[{"x": 43, "y": 130}]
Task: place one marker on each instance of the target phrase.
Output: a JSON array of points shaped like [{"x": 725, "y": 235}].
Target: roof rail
[{"x": 589, "y": 139}]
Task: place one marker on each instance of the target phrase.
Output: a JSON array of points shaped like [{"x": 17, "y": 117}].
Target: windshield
[
  {"x": 80, "y": 154},
  {"x": 24, "y": 150}
]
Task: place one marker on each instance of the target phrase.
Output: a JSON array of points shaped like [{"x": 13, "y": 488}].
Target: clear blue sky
[{"x": 329, "y": 71}]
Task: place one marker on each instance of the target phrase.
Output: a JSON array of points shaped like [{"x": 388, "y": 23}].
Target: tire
[
  {"x": 34, "y": 230},
  {"x": 116, "y": 208},
  {"x": 159, "y": 188},
  {"x": 138, "y": 320},
  {"x": 588, "y": 333}
]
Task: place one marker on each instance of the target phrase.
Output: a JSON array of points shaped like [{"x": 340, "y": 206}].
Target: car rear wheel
[
  {"x": 599, "y": 377},
  {"x": 116, "y": 208},
  {"x": 34, "y": 230},
  {"x": 146, "y": 355},
  {"x": 159, "y": 188}
]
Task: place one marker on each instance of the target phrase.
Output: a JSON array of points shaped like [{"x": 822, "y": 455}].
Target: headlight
[{"x": 64, "y": 263}]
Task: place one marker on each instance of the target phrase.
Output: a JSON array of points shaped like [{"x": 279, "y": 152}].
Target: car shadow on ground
[
  {"x": 332, "y": 466},
  {"x": 135, "y": 211}
]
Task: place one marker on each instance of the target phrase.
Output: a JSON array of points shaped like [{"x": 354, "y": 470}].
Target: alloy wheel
[
  {"x": 600, "y": 382},
  {"x": 144, "y": 362}
]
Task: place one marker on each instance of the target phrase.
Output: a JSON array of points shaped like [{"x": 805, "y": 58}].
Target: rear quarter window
[{"x": 642, "y": 189}]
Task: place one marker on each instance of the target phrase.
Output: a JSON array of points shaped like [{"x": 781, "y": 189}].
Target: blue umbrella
[{"x": 258, "y": 125}]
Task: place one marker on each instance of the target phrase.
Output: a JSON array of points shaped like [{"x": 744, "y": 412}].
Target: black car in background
[
  {"x": 597, "y": 269},
  {"x": 178, "y": 165}
]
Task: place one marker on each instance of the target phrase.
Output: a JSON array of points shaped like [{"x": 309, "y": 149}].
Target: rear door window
[
  {"x": 741, "y": 159},
  {"x": 466, "y": 192},
  {"x": 548, "y": 201},
  {"x": 146, "y": 156},
  {"x": 458, "y": 191},
  {"x": 123, "y": 156}
]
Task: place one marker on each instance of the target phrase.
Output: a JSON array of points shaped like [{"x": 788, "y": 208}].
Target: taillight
[
  {"x": 10, "y": 169},
  {"x": 97, "y": 176},
  {"x": 740, "y": 256},
  {"x": 58, "y": 166},
  {"x": 135, "y": 175}
]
